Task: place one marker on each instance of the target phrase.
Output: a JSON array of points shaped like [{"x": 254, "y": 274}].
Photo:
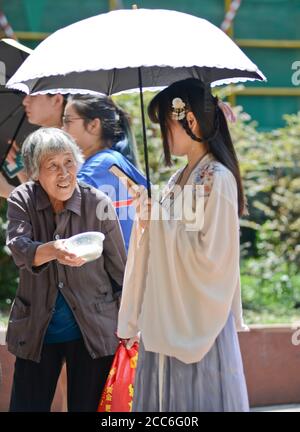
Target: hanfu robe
[{"x": 182, "y": 286}]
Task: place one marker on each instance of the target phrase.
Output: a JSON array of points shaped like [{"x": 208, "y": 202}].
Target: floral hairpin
[{"x": 178, "y": 109}]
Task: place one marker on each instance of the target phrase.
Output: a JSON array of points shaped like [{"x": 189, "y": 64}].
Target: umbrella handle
[{"x": 144, "y": 132}]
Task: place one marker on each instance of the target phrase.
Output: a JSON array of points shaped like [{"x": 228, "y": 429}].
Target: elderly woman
[{"x": 65, "y": 308}]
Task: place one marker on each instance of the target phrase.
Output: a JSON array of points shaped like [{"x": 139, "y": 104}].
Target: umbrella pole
[{"x": 144, "y": 133}]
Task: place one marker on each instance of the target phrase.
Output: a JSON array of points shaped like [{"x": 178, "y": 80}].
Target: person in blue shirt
[{"x": 98, "y": 126}]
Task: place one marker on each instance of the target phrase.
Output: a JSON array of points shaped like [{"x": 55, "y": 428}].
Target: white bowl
[{"x": 87, "y": 245}]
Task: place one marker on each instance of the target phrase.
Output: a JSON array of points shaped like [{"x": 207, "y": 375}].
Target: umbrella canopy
[
  {"x": 103, "y": 53},
  {"x": 125, "y": 50},
  {"x": 13, "y": 123}
]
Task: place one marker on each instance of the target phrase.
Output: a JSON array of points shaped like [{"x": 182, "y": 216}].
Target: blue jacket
[{"x": 95, "y": 172}]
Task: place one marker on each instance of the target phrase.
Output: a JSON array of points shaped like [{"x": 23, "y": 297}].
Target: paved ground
[{"x": 278, "y": 408}]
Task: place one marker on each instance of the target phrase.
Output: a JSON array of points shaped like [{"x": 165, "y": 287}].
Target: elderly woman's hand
[
  {"x": 63, "y": 256},
  {"x": 56, "y": 250}
]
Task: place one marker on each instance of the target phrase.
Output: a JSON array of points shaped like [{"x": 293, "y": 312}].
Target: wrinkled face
[
  {"x": 57, "y": 176},
  {"x": 41, "y": 109}
]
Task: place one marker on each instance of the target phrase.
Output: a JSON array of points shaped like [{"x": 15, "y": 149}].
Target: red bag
[{"x": 118, "y": 391}]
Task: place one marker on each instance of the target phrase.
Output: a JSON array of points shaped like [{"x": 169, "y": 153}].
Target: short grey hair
[{"x": 46, "y": 141}]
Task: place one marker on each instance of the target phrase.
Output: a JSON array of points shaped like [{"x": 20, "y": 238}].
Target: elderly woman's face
[{"x": 57, "y": 176}]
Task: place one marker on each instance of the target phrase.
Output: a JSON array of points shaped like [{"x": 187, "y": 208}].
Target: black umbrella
[{"x": 13, "y": 123}]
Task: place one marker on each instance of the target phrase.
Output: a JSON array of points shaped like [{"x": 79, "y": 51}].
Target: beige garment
[{"x": 180, "y": 285}]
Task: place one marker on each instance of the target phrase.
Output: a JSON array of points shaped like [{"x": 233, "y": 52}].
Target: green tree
[{"x": 271, "y": 173}]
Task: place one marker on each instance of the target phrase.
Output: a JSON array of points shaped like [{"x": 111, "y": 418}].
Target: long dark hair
[
  {"x": 115, "y": 123},
  {"x": 215, "y": 134}
]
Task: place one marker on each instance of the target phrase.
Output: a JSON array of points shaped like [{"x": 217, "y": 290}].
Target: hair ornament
[
  {"x": 178, "y": 109},
  {"x": 227, "y": 111}
]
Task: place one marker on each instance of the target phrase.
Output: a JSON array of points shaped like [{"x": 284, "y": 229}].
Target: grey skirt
[{"x": 214, "y": 384}]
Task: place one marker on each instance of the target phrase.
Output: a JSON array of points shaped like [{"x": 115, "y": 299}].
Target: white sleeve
[
  {"x": 219, "y": 249},
  {"x": 134, "y": 283}
]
